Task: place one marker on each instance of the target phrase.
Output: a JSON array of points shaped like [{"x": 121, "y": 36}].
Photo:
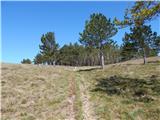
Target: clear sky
[{"x": 23, "y": 23}]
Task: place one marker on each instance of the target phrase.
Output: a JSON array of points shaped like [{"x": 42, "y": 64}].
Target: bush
[
  {"x": 141, "y": 90},
  {"x": 26, "y": 61}
]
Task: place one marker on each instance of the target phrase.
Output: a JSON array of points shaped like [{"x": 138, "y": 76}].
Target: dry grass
[
  {"x": 140, "y": 61},
  {"x": 110, "y": 103},
  {"x": 34, "y": 92},
  {"x": 31, "y": 92}
]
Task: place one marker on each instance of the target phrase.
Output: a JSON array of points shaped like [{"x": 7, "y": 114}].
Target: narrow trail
[
  {"x": 71, "y": 99},
  {"x": 87, "y": 109},
  {"x": 86, "y": 105}
]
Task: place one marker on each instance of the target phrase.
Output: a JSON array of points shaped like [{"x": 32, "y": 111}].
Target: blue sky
[{"x": 23, "y": 23}]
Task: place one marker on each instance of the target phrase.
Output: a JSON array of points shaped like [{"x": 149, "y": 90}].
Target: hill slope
[{"x": 127, "y": 90}]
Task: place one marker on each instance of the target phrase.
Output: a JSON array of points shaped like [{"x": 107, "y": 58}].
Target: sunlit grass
[
  {"x": 125, "y": 105},
  {"x": 34, "y": 92},
  {"x": 126, "y": 91}
]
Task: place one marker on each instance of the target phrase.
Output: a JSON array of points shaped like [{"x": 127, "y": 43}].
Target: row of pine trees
[
  {"x": 79, "y": 55},
  {"x": 96, "y": 46}
]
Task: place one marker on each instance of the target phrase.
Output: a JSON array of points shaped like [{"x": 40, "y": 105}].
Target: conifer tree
[
  {"x": 141, "y": 39},
  {"x": 97, "y": 33},
  {"x": 49, "y": 47}
]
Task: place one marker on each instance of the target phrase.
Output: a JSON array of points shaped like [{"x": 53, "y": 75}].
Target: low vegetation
[
  {"x": 26, "y": 61},
  {"x": 128, "y": 90},
  {"x": 34, "y": 92},
  {"x": 125, "y": 91}
]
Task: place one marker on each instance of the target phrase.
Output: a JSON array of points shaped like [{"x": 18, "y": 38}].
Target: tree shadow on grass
[
  {"x": 138, "y": 89},
  {"x": 89, "y": 69},
  {"x": 156, "y": 62}
]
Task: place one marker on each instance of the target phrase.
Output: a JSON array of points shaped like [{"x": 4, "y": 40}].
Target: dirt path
[
  {"x": 87, "y": 110},
  {"x": 71, "y": 99},
  {"x": 86, "y": 105}
]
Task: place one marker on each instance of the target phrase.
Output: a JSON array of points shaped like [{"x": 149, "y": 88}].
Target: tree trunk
[
  {"x": 102, "y": 59},
  {"x": 144, "y": 57},
  {"x": 54, "y": 63}
]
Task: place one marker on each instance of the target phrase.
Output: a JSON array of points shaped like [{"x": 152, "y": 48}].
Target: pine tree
[
  {"x": 97, "y": 32},
  {"x": 139, "y": 13},
  {"x": 49, "y": 47},
  {"x": 157, "y": 44},
  {"x": 141, "y": 38},
  {"x": 129, "y": 48},
  {"x": 39, "y": 59}
]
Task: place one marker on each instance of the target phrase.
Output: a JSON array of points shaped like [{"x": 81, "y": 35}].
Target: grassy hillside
[
  {"x": 125, "y": 91},
  {"x": 35, "y": 92}
]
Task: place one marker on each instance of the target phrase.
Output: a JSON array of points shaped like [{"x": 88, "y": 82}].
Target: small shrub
[
  {"x": 138, "y": 89},
  {"x": 26, "y": 61},
  {"x": 140, "y": 92}
]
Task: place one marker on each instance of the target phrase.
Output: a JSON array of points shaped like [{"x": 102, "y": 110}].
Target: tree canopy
[
  {"x": 139, "y": 13},
  {"x": 97, "y": 33},
  {"x": 49, "y": 47},
  {"x": 141, "y": 39},
  {"x": 96, "y": 45}
]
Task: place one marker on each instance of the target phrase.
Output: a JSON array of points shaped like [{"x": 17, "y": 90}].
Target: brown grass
[
  {"x": 34, "y": 92},
  {"x": 111, "y": 103},
  {"x": 31, "y": 92}
]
